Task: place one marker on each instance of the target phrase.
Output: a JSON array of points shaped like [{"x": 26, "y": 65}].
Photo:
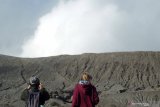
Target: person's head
[
  {"x": 34, "y": 81},
  {"x": 85, "y": 76}
]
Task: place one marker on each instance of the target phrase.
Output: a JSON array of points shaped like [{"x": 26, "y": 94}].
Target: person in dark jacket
[
  {"x": 35, "y": 86},
  {"x": 85, "y": 94}
]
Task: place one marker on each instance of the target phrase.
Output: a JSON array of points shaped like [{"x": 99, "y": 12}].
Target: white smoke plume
[{"x": 88, "y": 26}]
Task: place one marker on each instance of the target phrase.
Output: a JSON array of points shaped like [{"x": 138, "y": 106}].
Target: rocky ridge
[{"x": 121, "y": 78}]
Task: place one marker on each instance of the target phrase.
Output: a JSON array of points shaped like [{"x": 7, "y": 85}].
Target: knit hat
[{"x": 34, "y": 80}]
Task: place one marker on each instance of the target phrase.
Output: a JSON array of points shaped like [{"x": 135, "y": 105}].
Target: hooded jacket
[{"x": 85, "y": 95}]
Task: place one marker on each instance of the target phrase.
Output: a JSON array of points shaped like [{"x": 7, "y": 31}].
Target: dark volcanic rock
[{"x": 119, "y": 77}]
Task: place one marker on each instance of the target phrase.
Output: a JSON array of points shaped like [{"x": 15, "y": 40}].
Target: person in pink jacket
[{"x": 85, "y": 94}]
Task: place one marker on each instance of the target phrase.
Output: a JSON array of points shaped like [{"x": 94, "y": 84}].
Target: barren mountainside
[{"x": 120, "y": 78}]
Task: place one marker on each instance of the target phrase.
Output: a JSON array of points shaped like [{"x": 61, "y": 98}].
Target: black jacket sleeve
[{"x": 45, "y": 94}]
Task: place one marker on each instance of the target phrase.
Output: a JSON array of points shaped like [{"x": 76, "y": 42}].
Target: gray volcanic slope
[{"x": 122, "y": 79}]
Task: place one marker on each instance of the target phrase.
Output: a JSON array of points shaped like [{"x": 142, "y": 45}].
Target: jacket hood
[{"x": 86, "y": 87}]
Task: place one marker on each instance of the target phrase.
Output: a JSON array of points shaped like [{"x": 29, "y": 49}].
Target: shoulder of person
[
  {"x": 77, "y": 86},
  {"x": 92, "y": 86},
  {"x": 43, "y": 90}
]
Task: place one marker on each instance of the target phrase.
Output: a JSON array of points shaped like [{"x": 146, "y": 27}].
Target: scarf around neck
[{"x": 84, "y": 82}]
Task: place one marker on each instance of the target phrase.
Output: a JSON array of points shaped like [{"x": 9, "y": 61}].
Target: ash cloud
[{"x": 95, "y": 26}]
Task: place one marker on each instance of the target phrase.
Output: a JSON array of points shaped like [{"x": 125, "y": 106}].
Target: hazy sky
[{"x": 34, "y": 28}]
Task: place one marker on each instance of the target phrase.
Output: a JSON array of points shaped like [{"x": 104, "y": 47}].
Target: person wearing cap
[
  {"x": 35, "y": 86},
  {"x": 85, "y": 94}
]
